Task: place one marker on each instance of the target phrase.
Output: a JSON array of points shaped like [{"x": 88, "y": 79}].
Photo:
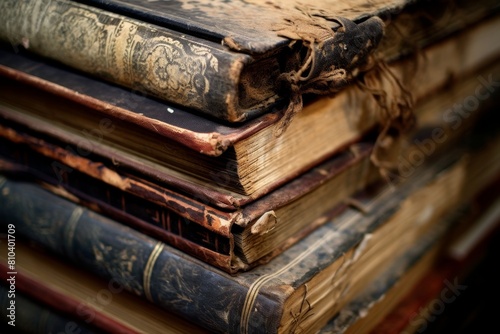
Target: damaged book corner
[{"x": 240, "y": 166}]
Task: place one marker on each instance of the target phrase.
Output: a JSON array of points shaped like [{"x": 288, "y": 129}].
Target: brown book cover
[{"x": 191, "y": 225}]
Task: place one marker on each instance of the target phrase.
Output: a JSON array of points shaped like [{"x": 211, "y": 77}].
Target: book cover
[
  {"x": 223, "y": 165},
  {"x": 302, "y": 288}
]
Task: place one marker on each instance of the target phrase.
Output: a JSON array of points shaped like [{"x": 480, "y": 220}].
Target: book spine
[
  {"x": 142, "y": 265},
  {"x": 146, "y": 58},
  {"x": 147, "y": 216}
]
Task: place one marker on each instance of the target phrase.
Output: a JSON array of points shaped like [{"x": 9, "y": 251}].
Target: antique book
[
  {"x": 52, "y": 296},
  {"x": 241, "y": 239},
  {"x": 258, "y": 53},
  {"x": 225, "y": 165},
  {"x": 301, "y": 288}
]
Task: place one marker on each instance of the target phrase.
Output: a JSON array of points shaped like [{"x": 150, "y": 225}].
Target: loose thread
[
  {"x": 350, "y": 50},
  {"x": 395, "y": 113}
]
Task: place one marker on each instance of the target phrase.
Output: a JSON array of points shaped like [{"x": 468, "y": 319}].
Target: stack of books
[{"x": 241, "y": 166}]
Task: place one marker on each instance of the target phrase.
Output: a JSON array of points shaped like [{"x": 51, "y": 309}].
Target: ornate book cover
[{"x": 170, "y": 53}]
